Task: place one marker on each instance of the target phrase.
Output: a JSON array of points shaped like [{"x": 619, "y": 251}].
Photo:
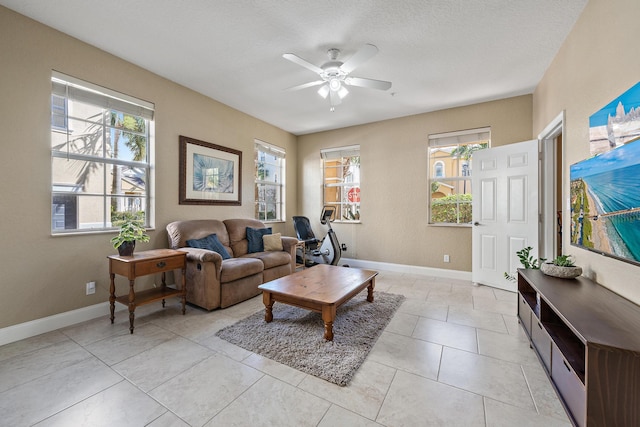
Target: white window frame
[
  {"x": 59, "y": 113},
  {"x": 74, "y": 90},
  {"x": 346, "y": 211},
  {"x": 458, "y": 181},
  {"x": 278, "y": 183}
]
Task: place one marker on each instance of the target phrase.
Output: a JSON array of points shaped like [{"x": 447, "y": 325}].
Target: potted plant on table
[
  {"x": 130, "y": 232},
  {"x": 562, "y": 266},
  {"x": 527, "y": 261}
]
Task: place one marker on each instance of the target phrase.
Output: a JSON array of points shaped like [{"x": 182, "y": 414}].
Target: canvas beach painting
[
  {"x": 605, "y": 203},
  {"x": 616, "y": 123}
]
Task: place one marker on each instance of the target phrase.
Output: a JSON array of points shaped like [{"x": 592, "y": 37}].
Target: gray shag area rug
[{"x": 295, "y": 336}]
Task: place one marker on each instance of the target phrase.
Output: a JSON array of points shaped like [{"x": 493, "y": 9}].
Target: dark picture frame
[{"x": 210, "y": 174}]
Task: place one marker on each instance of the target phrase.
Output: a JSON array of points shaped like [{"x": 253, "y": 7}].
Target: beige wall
[
  {"x": 44, "y": 275},
  {"x": 598, "y": 62},
  {"x": 394, "y": 187}
]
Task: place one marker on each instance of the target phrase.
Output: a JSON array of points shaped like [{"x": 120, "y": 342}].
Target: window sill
[
  {"x": 91, "y": 232},
  {"x": 444, "y": 224}
]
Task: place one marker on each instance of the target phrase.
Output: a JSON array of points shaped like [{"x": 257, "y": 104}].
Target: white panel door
[{"x": 505, "y": 210}]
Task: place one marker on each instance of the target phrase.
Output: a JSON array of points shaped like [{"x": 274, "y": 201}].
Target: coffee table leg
[
  {"x": 267, "y": 299},
  {"x": 372, "y": 285},
  {"x": 328, "y": 316}
]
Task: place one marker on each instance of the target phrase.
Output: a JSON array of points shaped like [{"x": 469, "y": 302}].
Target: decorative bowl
[{"x": 551, "y": 269}]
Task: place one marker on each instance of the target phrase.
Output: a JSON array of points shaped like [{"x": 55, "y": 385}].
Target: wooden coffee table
[{"x": 322, "y": 288}]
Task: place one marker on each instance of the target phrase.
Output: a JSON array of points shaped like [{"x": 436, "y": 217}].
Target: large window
[
  {"x": 100, "y": 154},
  {"x": 270, "y": 182},
  {"x": 341, "y": 178},
  {"x": 450, "y": 165}
]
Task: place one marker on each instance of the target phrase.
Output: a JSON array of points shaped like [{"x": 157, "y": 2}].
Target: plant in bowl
[
  {"x": 563, "y": 261},
  {"x": 562, "y": 266},
  {"x": 527, "y": 261},
  {"x": 130, "y": 232}
]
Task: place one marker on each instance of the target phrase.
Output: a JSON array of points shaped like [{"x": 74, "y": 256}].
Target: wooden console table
[
  {"x": 142, "y": 264},
  {"x": 588, "y": 342}
]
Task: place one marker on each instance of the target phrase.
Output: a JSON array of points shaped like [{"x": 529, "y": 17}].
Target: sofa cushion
[
  {"x": 179, "y": 232},
  {"x": 211, "y": 243},
  {"x": 237, "y": 268},
  {"x": 237, "y": 231},
  {"x": 272, "y": 242},
  {"x": 271, "y": 259},
  {"x": 254, "y": 237}
]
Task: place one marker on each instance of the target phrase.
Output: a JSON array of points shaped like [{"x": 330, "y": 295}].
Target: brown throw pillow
[{"x": 272, "y": 242}]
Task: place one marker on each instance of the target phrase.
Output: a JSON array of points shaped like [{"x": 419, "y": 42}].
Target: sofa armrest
[
  {"x": 289, "y": 245},
  {"x": 202, "y": 255},
  {"x": 204, "y": 269}
]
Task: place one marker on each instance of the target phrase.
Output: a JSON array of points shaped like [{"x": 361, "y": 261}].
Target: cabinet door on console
[
  {"x": 542, "y": 342},
  {"x": 571, "y": 388}
]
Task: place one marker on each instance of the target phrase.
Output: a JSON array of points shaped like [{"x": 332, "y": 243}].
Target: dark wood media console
[{"x": 588, "y": 340}]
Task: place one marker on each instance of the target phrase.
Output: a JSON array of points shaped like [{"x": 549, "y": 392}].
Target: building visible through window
[
  {"x": 269, "y": 182},
  {"x": 100, "y": 154},
  {"x": 341, "y": 181},
  {"x": 450, "y": 162}
]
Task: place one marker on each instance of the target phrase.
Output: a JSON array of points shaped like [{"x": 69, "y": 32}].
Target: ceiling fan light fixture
[
  {"x": 324, "y": 91},
  {"x": 334, "y": 84},
  {"x": 335, "y": 76}
]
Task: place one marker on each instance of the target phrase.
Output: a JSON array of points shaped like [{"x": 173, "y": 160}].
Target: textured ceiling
[{"x": 438, "y": 53}]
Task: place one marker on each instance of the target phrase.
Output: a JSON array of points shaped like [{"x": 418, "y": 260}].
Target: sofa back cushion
[
  {"x": 254, "y": 237},
  {"x": 211, "y": 243},
  {"x": 237, "y": 229},
  {"x": 178, "y": 232}
]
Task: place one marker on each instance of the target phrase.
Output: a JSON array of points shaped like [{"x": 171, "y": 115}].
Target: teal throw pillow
[
  {"x": 254, "y": 236},
  {"x": 212, "y": 243}
]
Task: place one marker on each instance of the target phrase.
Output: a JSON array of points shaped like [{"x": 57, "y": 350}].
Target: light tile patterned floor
[{"x": 453, "y": 355}]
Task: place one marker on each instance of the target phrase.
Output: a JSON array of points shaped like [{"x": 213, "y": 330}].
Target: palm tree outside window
[{"x": 101, "y": 168}]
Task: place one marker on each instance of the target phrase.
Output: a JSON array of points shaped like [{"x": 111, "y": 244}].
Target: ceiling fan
[{"x": 335, "y": 75}]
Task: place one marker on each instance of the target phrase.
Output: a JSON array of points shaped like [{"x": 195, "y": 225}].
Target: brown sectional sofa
[{"x": 216, "y": 283}]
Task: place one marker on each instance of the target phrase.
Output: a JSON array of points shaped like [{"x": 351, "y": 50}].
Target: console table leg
[
  {"x": 164, "y": 285},
  {"x": 184, "y": 291},
  {"x": 132, "y": 304},
  {"x": 112, "y": 296}
]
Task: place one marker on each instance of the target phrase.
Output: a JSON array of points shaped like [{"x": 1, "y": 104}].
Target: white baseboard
[
  {"x": 62, "y": 320},
  {"x": 51, "y": 323},
  {"x": 411, "y": 269}
]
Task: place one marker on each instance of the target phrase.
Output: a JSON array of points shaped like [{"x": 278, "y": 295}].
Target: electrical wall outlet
[
  {"x": 446, "y": 258},
  {"x": 91, "y": 288}
]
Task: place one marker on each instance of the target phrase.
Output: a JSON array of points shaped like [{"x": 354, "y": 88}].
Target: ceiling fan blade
[
  {"x": 303, "y": 63},
  {"x": 366, "y": 52},
  {"x": 335, "y": 98},
  {"x": 368, "y": 83},
  {"x": 305, "y": 85}
]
